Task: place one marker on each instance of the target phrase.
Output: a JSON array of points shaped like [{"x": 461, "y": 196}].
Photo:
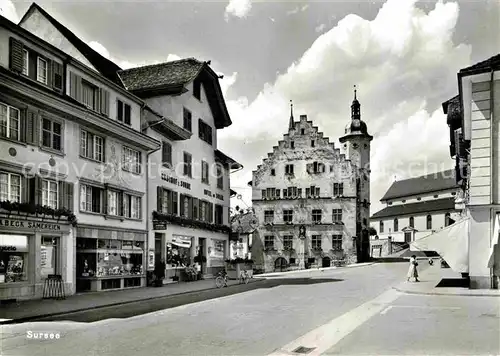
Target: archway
[
  {"x": 326, "y": 261},
  {"x": 280, "y": 264}
]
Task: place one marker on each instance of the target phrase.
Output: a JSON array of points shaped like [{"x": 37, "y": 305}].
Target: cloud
[
  {"x": 227, "y": 82},
  {"x": 297, "y": 9},
  {"x": 320, "y": 28},
  {"x": 238, "y": 8},
  {"x": 8, "y": 10},
  {"x": 103, "y": 51},
  {"x": 404, "y": 62}
]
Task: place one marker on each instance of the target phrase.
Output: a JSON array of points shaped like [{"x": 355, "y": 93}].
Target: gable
[{"x": 36, "y": 23}]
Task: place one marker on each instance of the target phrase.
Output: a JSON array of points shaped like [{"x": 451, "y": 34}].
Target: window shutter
[
  {"x": 309, "y": 167},
  {"x": 16, "y": 55},
  {"x": 119, "y": 110},
  {"x": 159, "y": 199},
  {"x": 61, "y": 204},
  {"x": 104, "y": 109},
  {"x": 26, "y": 182},
  {"x": 38, "y": 190},
  {"x": 75, "y": 89},
  {"x": 22, "y": 125},
  {"x": 69, "y": 196},
  {"x": 49, "y": 72},
  {"x": 97, "y": 100},
  {"x": 175, "y": 203},
  {"x": 105, "y": 202},
  {"x": 181, "y": 211},
  {"x": 210, "y": 212},
  {"x": 57, "y": 76},
  {"x": 119, "y": 202},
  {"x": 190, "y": 208},
  {"x": 195, "y": 205},
  {"x": 166, "y": 152},
  {"x": 127, "y": 119}
]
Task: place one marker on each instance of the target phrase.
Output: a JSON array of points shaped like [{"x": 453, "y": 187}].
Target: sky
[{"x": 403, "y": 56}]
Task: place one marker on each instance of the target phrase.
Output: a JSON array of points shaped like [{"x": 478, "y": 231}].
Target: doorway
[
  {"x": 326, "y": 262},
  {"x": 202, "y": 242},
  {"x": 280, "y": 264}
]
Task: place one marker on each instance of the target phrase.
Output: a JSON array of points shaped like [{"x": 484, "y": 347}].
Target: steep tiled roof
[
  {"x": 416, "y": 208},
  {"x": 173, "y": 73},
  {"x": 424, "y": 184},
  {"x": 106, "y": 67},
  {"x": 486, "y": 65}
]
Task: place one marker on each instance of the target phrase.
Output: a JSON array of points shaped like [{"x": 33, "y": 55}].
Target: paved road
[{"x": 349, "y": 315}]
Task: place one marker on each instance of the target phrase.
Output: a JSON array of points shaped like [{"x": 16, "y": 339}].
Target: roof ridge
[{"x": 161, "y": 64}]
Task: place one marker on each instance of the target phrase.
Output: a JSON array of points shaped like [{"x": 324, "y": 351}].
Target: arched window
[
  {"x": 381, "y": 226},
  {"x": 447, "y": 219},
  {"x": 396, "y": 225},
  {"x": 412, "y": 221},
  {"x": 429, "y": 222}
]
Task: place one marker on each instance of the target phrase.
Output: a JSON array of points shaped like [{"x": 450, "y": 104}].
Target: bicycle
[
  {"x": 244, "y": 277},
  {"x": 221, "y": 279}
]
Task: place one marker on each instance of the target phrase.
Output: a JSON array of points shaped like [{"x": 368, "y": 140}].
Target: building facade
[
  {"x": 189, "y": 193},
  {"x": 473, "y": 118},
  {"x": 71, "y": 171},
  {"x": 312, "y": 201},
  {"x": 415, "y": 208}
]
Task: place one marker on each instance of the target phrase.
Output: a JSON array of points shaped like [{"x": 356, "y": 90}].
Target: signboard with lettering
[
  {"x": 175, "y": 181},
  {"x": 13, "y": 243},
  {"x": 33, "y": 225},
  {"x": 159, "y": 225}
]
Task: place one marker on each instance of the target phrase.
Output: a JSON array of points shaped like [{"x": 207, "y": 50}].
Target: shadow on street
[{"x": 148, "y": 306}]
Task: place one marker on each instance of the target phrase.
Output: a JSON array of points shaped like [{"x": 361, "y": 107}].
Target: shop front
[
  {"x": 181, "y": 248},
  {"x": 31, "y": 249},
  {"x": 110, "y": 259}
]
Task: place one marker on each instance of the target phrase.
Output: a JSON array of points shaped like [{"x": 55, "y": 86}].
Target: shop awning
[
  {"x": 451, "y": 243},
  {"x": 181, "y": 241},
  {"x": 495, "y": 242}
]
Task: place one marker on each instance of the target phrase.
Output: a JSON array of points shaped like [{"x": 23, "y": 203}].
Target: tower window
[
  {"x": 312, "y": 143},
  {"x": 292, "y": 144},
  {"x": 302, "y": 131},
  {"x": 273, "y": 172}
]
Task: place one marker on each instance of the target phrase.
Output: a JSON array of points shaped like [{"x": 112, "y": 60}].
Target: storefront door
[{"x": 201, "y": 252}]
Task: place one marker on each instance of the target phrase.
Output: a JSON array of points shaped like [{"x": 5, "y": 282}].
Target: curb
[
  {"x": 35, "y": 317},
  {"x": 445, "y": 294},
  {"x": 279, "y": 274}
]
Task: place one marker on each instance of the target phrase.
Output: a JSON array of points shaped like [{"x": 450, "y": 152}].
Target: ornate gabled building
[{"x": 311, "y": 200}]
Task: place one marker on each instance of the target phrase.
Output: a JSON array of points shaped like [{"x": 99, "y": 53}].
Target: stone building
[
  {"x": 415, "y": 207},
  {"x": 72, "y": 181},
  {"x": 311, "y": 201},
  {"x": 189, "y": 178}
]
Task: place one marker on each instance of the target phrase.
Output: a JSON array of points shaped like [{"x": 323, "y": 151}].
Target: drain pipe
[{"x": 492, "y": 167}]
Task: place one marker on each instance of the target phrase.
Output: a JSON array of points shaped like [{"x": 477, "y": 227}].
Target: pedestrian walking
[{"x": 412, "y": 270}]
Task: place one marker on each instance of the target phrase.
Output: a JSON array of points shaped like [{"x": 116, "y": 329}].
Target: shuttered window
[
  {"x": 10, "y": 187},
  {"x": 187, "y": 120},
  {"x": 25, "y": 62},
  {"x": 52, "y": 134},
  {"x": 204, "y": 172},
  {"x": 57, "y": 71},
  {"x": 167, "y": 202},
  {"x": 16, "y": 55},
  {"x": 166, "y": 157},
  {"x": 188, "y": 160},
  {"x": 10, "y": 122},
  {"x": 91, "y": 146},
  {"x": 123, "y": 112},
  {"x": 41, "y": 70},
  {"x": 204, "y": 131}
]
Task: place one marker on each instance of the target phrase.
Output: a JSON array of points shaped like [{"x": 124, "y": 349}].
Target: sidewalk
[
  {"x": 30, "y": 309},
  {"x": 280, "y": 274},
  {"x": 435, "y": 280}
]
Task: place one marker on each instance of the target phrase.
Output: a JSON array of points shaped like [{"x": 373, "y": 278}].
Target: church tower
[{"x": 356, "y": 147}]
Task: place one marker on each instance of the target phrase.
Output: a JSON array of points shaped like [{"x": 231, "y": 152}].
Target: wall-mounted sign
[
  {"x": 159, "y": 225},
  {"x": 151, "y": 259},
  {"x": 219, "y": 196},
  {"x": 207, "y": 192},
  {"x": 175, "y": 181},
  {"x": 31, "y": 225}
]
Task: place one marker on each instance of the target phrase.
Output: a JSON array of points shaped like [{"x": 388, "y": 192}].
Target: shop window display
[
  {"x": 178, "y": 256},
  {"x": 104, "y": 257},
  {"x": 13, "y": 258},
  {"x": 48, "y": 256}
]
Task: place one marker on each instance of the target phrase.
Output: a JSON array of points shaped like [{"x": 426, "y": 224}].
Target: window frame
[
  {"x": 315, "y": 213},
  {"x": 337, "y": 215},
  {"x": 381, "y": 227},
  {"x": 269, "y": 242},
  {"x": 268, "y": 216},
  {"x": 121, "y": 107},
  {"x": 52, "y": 134},
  {"x": 8, "y": 122},
  {"x": 288, "y": 215},
  {"x": 428, "y": 220},
  {"x": 205, "y": 177},
  {"x": 136, "y": 163},
  {"x": 26, "y": 65},
  {"x": 86, "y": 133},
  {"x": 9, "y": 187},
  {"x": 187, "y": 164},
  {"x": 289, "y": 169},
  {"x": 396, "y": 225},
  {"x": 46, "y": 201},
  {"x": 316, "y": 242},
  {"x": 287, "y": 242},
  {"x": 336, "y": 238},
  {"x": 90, "y": 203},
  {"x": 38, "y": 77},
  {"x": 338, "y": 189},
  {"x": 187, "y": 119},
  {"x": 220, "y": 176}
]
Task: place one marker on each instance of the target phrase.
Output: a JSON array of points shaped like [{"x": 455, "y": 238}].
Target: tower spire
[
  {"x": 291, "y": 123},
  {"x": 355, "y": 107}
]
